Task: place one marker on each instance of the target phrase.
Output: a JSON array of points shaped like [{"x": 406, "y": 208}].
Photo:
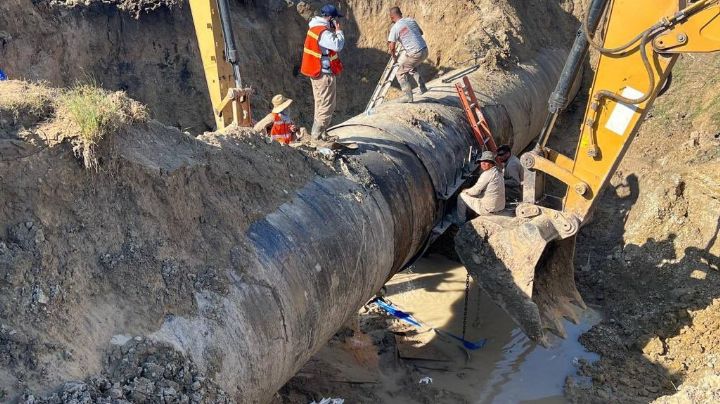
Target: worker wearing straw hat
[{"x": 282, "y": 128}]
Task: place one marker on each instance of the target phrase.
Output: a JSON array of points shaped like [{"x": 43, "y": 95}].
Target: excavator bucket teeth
[{"x": 525, "y": 268}]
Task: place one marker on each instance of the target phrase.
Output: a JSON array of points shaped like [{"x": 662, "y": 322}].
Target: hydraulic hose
[
  {"x": 571, "y": 71},
  {"x": 231, "y": 51}
]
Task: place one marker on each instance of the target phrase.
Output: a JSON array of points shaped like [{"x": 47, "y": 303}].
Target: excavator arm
[
  {"x": 525, "y": 262},
  {"x": 220, "y": 57}
]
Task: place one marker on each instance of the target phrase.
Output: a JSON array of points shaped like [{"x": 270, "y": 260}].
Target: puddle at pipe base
[{"x": 387, "y": 358}]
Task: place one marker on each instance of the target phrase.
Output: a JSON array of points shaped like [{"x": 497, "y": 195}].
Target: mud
[
  {"x": 509, "y": 368},
  {"x": 649, "y": 259},
  {"x": 647, "y": 263}
]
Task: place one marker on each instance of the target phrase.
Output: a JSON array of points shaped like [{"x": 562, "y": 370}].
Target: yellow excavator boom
[
  {"x": 230, "y": 100},
  {"x": 526, "y": 262}
]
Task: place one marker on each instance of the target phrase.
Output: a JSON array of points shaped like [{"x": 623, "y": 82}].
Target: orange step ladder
[{"x": 480, "y": 127}]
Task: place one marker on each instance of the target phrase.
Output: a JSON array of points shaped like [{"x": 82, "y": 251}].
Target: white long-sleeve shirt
[
  {"x": 329, "y": 40},
  {"x": 490, "y": 189}
]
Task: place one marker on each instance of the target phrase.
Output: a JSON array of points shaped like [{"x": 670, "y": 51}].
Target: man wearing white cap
[
  {"x": 283, "y": 128},
  {"x": 487, "y": 196},
  {"x": 321, "y": 63}
]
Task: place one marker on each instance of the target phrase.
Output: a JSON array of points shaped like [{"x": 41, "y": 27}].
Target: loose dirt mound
[
  {"x": 140, "y": 371},
  {"x": 124, "y": 245},
  {"x": 134, "y": 7},
  {"x": 162, "y": 216},
  {"x": 706, "y": 390}
]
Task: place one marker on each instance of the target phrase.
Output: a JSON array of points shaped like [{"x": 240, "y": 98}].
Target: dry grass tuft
[
  {"x": 25, "y": 103},
  {"x": 93, "y": 114},
  {"x": 84, "y": 114}
]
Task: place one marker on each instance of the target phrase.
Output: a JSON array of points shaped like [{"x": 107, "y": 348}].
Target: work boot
[
  {"x": 329, "y": 138},
  {"x": 317, "y": 131},
  {"x": 406, "y": 88},
  {"x": 421, "y": 83}
]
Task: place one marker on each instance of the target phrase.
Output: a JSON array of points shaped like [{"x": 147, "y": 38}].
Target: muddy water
[{"x": 509, "y": 368}]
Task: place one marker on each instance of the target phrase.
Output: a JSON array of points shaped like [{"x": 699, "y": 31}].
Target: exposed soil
[
  {"x": 648, "y": 262},
  {"x": 133, "y": 7},
  {"x": 650, "y": 259},
  {"x": 153, "y": 55},
  {"x": 131, "y": 242},
  {"x": 140, "y": 371},
  {"x": 123, "y": 245}
]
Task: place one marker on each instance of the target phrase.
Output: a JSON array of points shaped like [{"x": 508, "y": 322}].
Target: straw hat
[
  {"x": 487, "y": 156},
  {"x": 280, "y": 102}
]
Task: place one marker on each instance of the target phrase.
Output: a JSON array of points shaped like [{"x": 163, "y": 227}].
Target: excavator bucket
[{"x": 526, "y": 267}]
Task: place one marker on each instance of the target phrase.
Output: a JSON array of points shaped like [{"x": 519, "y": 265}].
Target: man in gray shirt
[
  {"x": 407, "y": 31},
  {"x": 513, "y": 173},
  {"x": 487, "y": 196}
]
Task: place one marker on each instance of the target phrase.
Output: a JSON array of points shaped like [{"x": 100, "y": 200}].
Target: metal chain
[{"x": 465, "y": 309}]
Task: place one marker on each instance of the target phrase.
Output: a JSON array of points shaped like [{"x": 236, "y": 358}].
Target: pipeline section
[{"x": 307, "y": 267}]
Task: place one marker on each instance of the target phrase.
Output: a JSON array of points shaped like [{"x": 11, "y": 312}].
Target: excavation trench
[{"x": 318, "y": 258}]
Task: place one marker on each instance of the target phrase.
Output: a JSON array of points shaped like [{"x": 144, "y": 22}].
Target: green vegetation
[
  {"x": 97, "y": 113},
  {"x": 85, "y": 114},
  {"x": 94, "y": 114}
]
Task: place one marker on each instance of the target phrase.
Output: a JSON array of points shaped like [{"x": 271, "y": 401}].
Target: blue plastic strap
[
  {"x": 397, "y": 313},
  {"x": 394, "y": 311}
]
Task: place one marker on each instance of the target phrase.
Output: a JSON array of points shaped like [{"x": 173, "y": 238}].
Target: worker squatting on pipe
[{"x": 319, "y": 258}]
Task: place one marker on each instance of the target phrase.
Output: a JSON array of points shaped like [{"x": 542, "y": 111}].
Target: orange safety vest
[
  {"x": 281, "y": 129},
  {"x": 312, "y": 55}
]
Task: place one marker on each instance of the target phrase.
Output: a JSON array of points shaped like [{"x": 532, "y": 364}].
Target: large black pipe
[{"x": 319, "y": 257}]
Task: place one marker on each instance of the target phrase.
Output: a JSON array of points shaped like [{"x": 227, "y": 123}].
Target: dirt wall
[
  {"x": 86, "y": 255},
  {"x": 151, "y": 53},
  {"x": 649, "y": 258}
]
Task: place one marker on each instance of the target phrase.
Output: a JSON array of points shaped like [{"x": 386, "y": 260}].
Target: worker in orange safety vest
[
  {"x": 282, "y": 128},
  {"x": 322, "y": 64}
]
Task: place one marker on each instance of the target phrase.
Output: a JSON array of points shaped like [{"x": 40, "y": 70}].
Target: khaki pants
[
  {"x": 409, "y": 63},
  {"x": 324, "y": 91},
  {"x": 465, "y": 201}
]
